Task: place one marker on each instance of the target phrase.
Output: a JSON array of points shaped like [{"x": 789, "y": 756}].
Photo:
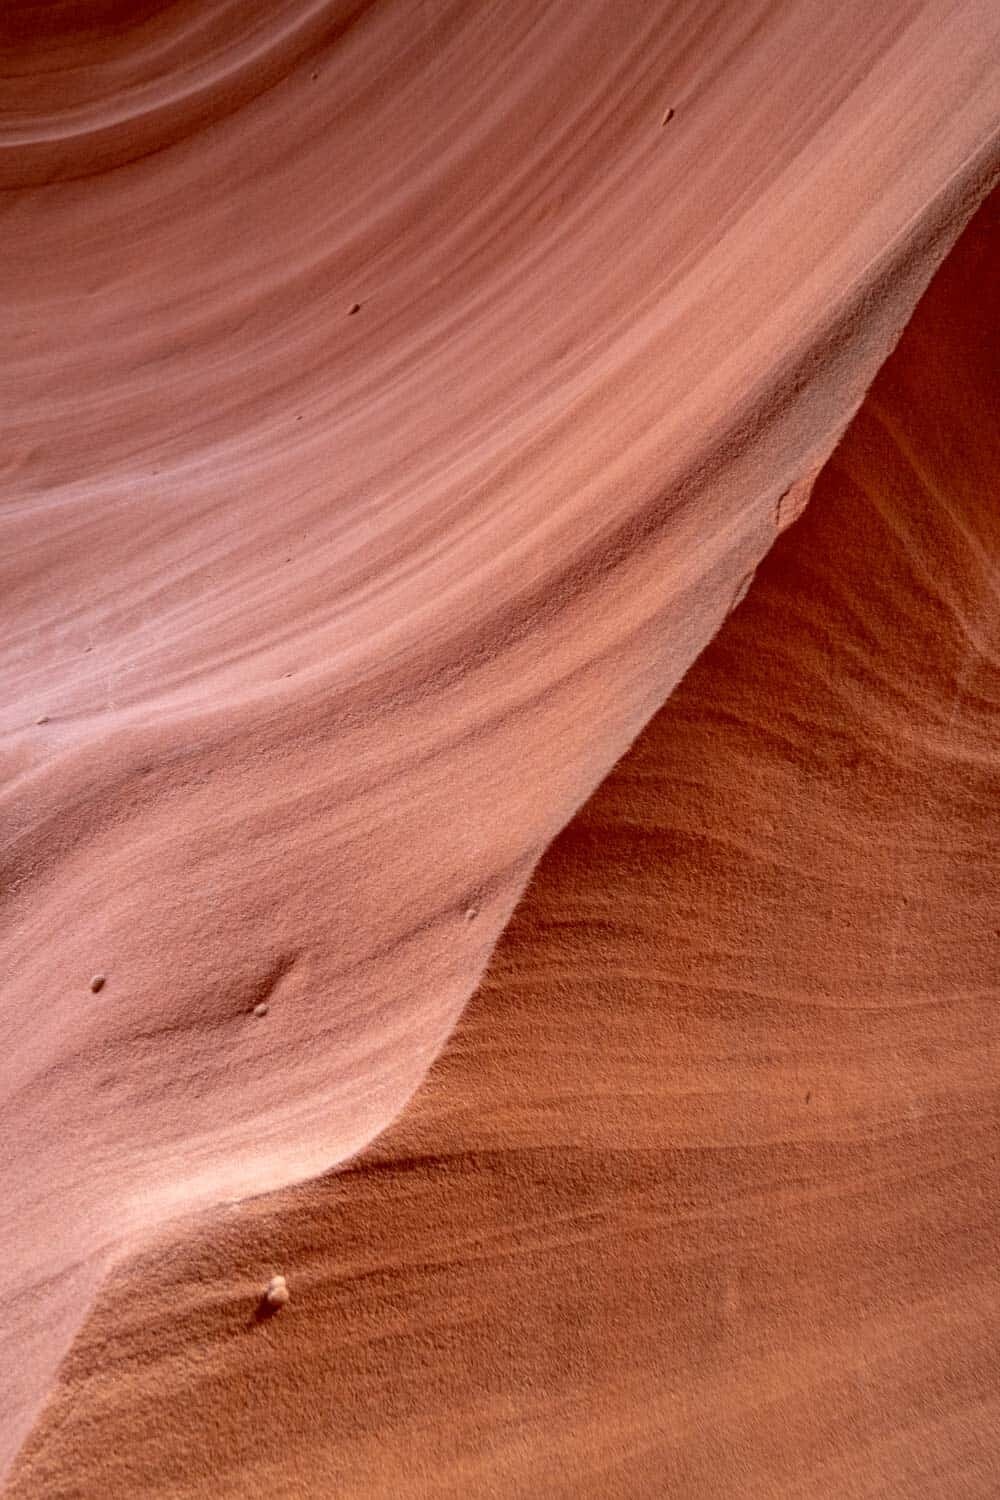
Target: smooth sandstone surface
[
  {"x": 701, "y": 1197},
  {"x": 319, "y": 628}
]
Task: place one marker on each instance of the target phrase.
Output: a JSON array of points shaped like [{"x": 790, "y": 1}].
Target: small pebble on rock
[{"x": 277, "y": 1293}]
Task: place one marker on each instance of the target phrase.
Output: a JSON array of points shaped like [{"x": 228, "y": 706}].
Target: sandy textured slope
[
  {"x": 701, "y": 1198},
  {"x": 319, "y": 624}
]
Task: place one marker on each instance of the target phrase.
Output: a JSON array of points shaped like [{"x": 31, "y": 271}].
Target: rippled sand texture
[{"x": 319, "y": 625}]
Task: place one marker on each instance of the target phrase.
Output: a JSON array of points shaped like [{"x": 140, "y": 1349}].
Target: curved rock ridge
[
  {"x": 396, "y": 408},
  {"x": 92, "y": 86}
]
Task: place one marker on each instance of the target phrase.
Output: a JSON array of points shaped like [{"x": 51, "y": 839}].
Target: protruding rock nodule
[
  {"x": 277, "y": 1293},
  {"x": 98, "y": 982}
]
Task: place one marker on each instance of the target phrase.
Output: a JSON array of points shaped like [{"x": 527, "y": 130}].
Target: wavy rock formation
[
  {"x": 397, "y": 408},
  {"x": 700, "y": 1199}
]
